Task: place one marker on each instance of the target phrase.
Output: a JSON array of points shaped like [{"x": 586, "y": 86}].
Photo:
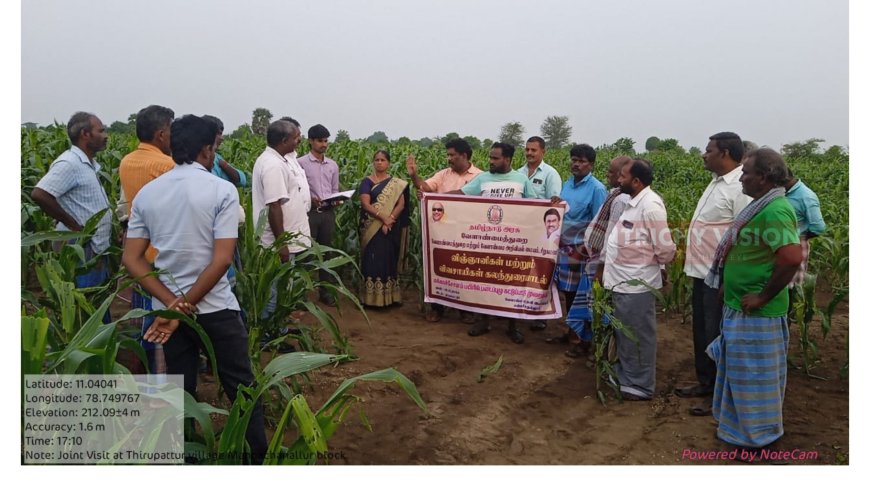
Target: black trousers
[
  {"x": 229, "y": 339},
  {"x": 322, "y": 226},
  {"x": 706, "y": 320}
]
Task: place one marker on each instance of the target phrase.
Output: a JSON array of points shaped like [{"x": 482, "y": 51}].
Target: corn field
[{"x": 59, "y": 320}]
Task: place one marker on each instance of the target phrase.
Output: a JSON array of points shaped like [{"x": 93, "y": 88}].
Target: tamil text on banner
[{"x": 491, "y": 256}]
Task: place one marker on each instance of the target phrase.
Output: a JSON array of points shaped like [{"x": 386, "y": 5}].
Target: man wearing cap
[{"x": 322, "y": 175}]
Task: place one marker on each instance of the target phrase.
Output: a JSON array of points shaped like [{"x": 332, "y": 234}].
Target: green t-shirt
[{"x": 750, "y": 263}]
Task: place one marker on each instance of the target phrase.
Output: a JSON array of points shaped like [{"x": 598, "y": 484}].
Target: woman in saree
[{"x": 383, "y": 232}]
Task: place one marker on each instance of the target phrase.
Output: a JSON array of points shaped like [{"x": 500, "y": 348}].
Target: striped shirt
[
  {"x": 138, "y": 168},
  {"x": 73, "y": 180}
]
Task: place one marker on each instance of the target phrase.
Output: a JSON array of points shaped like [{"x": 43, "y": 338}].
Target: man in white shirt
[
  {"x": 280, "y": 187},
  {"x": 637, "y": 248},
  {"x": 720, "y": 203},
  {"x": 280, "y": 190}
]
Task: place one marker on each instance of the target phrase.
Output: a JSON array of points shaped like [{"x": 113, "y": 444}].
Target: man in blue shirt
[
  {"x": 809, "y": 217},
  {"x": 221, "y": 167},
  {"x": 192, "y": 217},
  {"x": 585, "y": 196},
  {"x": 545, "y": 179},
  {"x": 71, "y": 192}
]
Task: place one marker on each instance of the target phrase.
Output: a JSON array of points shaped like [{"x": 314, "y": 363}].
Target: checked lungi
[
  {"x": 750, "y": 355},
  {"x": 805, "y": 258},
  {"x": 577, "y": 277}
]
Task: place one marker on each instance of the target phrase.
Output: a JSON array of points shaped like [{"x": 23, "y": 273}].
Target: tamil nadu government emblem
[{"x": 494, "y": 214}]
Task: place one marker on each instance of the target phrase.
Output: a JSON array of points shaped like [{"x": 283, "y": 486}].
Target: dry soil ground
[{"x": 541, "y": 407}]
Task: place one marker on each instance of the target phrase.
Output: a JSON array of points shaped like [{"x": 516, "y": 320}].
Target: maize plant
[
  {"x": 804, "y": 309},
  {"x": 54, "y": 313},
  {"x": 604, "y": 325}
]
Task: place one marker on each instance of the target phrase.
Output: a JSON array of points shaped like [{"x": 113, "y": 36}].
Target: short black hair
[
  {"x": 583, "y": 151},
  {"x": 317, "y": 131},
  {"x": 770, "y": 165},
  {"x": 642, "y": 170},
  {"x": 731, "y": 142},
  {"x": 220, "y": 123},
  {"x": 279, "y": 130},
  {"x": 539, "y": 140},
  {"x": 507, "y": 150},
  {"x": 80, "y": 121},
  {"x": 152, "y": 119},
  {"x": 552, "y": 212},
  {"x": 460, "y": 146},
  {"x": 188, "y": 135}
]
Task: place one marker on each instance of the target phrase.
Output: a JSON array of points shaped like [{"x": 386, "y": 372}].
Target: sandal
[
  {"x": 703, "y": 409},
  {"x": 433, "y": 316},
  {"x": 626, "y": 396},
  {"x": 560, "y": 339},
  {"x": 538, "y": 325},
  {"x": 696, "y": 390},
  {"x": 515, "y": 335},
  {"x": 467, "y": 317},
  {"x": 579, "y": 350},
  {"x": 479, "y": 329}
]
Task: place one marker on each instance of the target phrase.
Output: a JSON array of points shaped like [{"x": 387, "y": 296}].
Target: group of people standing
[
  {"x": 747, "y": 243},
  {"x": 184, "y": 209}
]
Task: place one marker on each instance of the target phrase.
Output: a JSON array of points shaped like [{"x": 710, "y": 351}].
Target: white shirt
[
  {"x": 638, "y": 245},
  {"x": 720, "y": 203},
  {"x": 182, "y": 213},
  {"x": 278, "y": 178}
]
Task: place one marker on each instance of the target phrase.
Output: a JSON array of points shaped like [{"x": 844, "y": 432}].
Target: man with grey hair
[
  {"x": 279, "y": 186},
  {"x": 280, "y": 190},
  {"x": 753, "y": 263},
  {"x": 71, "y": 191}
]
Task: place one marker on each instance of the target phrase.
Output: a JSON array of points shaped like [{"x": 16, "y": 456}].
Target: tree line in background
[{"x": 555, "y": 130}]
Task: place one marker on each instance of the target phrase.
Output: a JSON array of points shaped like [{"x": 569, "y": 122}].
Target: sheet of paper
[{"x": 340, "y": 195}]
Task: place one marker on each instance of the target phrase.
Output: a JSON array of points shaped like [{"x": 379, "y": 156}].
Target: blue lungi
[{"x": 750, "y": 355}]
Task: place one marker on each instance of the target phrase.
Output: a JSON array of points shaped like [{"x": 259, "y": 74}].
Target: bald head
[{"x": 615, "y": 167}]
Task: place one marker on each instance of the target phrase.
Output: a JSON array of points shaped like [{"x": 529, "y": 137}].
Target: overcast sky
[{"x": 774, "y": 71}]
